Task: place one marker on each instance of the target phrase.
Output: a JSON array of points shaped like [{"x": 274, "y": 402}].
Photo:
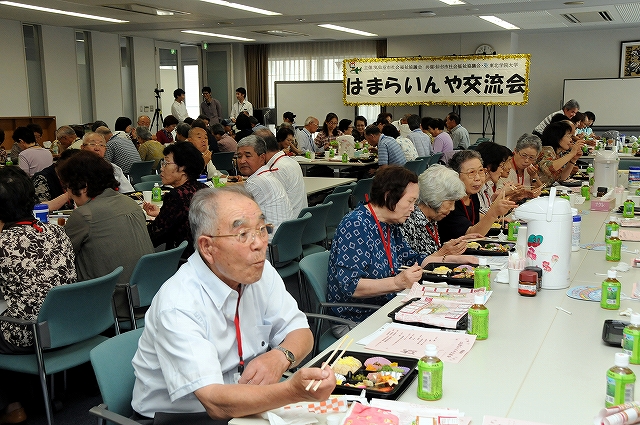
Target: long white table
[
  {"x": 336, "y": 165},
  {"x": 539, "y": 363},
  {"x": 318, "y": 184}
]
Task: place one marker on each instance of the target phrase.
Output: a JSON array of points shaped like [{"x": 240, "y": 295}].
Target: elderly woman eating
[
  {"x": 440, "y": 187},
  {"x": 523, "y": 171},
  {"x": 368, "y": 253},
  {"x": 179, "y": 169},
  {"x": 466, "y": 217},
  {"x": 559, "y": 154}
]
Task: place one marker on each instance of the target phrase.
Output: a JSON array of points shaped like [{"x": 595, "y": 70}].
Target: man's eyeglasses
[
  {"x": 93, "y": 145},
  {"x": 164, "y": 163},
  {"x": 527, "y": 157},
  {"x": 245, "y": 236},
  {"x": 472, "y": 174}
]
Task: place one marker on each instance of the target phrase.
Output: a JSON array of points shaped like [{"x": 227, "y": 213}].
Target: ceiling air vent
[
  {"x": 145, "y": 9},
  {"x": 587, "y": 17},
  {"x": 282, "y": 33}
]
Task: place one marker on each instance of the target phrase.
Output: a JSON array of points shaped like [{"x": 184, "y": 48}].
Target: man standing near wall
[
  {"x": 242, "y": 106},
  {"x": 179, "y": 107},
  {"x": 210, "y": 107}
]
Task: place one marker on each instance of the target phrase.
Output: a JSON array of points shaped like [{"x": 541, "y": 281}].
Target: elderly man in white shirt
[
  {"x": 265, "y": 188},
  {"x": 207, "y": 333}
]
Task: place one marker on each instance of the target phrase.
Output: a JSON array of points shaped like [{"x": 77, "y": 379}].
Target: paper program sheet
[{"x": 452, "y": 346}]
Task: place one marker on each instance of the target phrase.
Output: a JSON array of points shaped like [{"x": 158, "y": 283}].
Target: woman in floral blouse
[{"x": 34, "y": 257}]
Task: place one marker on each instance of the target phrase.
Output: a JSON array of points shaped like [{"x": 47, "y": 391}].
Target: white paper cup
[
  {"x": 146, "y": 195},
  {"x": 514, "y": 278}
]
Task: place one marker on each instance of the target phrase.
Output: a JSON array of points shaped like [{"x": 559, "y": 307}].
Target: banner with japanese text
[{"x": 443, "y": 80}]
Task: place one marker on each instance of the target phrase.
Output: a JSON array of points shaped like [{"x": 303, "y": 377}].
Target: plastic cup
[
  {"x": 146, "y": 195},
  {"x": 514, "y": 278}
]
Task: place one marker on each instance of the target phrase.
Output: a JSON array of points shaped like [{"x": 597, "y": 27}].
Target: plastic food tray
[
  {"x": 395, "y": 392},
  {"x": 467, "y": 283}
]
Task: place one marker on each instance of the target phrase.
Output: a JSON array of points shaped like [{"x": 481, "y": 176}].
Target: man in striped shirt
[{"x": 389, "y": 151}]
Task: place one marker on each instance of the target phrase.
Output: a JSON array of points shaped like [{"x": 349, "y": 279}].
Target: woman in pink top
[
  {"x": 441, "y": 140},
  {"x": 33, "y": 157}
]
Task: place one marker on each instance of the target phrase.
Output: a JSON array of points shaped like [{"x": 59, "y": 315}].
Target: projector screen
[
  {"x": 311, "y": 98},
  {"x": 615, "y": 101}
]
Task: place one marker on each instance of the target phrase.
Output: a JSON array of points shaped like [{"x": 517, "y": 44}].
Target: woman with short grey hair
[
  {"x": 440, "y": 187},
  {"x": 524, "y": 171}
]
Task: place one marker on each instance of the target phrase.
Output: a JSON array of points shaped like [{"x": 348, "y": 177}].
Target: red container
[{"x": 528, "y": 283}]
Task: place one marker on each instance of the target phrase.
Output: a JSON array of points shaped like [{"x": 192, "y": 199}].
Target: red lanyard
[
  {"x": 513, "y": 160},
  {"x": 385, "y": 242},
  {"x": 236, "y": 321},
  {"x": 271, "y": 166},
  {"x": 32, "y": 223},
  {"x": 434, "y": 235},
  {"x": 472, "y": 219}
]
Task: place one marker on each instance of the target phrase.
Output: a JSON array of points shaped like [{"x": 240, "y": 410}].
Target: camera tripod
[{"x": 157, "y": 114}]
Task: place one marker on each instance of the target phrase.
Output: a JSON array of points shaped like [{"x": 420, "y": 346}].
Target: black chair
[
  {"x": 223, "y": 160},
  {"x": 139, "y": 169}
]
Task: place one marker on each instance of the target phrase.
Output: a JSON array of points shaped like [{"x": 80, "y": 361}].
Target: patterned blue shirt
[
  {"x": 422, "y": 142},
  {"x": 357, "y": 252},
  {"x": 390, "y": 152}
]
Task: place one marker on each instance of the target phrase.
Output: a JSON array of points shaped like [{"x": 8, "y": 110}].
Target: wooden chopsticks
[{"x": 326, "y": 362}]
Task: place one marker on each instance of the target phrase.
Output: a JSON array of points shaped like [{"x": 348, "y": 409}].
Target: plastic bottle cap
[
  {"x": 482, "y": 261},
  {"x": 432, "y": 351},
  {"x": 622, "y": 360},
  {"x": 612, "y": 218},
  {"x": 635, "y": 318},
  {"x": 479, "y": 299},
  {"x": 611, "y": 274},
  {"x": 156, "y": 185},
  {"x": 614, "y": 233}
]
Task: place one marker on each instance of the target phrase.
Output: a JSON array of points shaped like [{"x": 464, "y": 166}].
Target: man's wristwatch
[{"x": 288, "y": 354}]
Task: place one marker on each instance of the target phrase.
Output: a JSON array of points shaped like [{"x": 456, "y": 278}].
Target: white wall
[
  {"x": 554, "y": 57},
  {"x": 144, "y": 76},
  {"x": 13, "y": 70},
  {"x": 107, "y": 78},
  {"x": 61, "y": 76}
]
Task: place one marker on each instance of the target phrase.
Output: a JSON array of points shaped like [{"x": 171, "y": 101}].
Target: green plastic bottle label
[
  {"x": 478, "y": 323},
  {"x": 631, "y": 344},
  {"x": 430, "y": 380},
  {"x": 482, "y": 278},
  {"x": 613, "y": 250},
  {"x": 620, "y": 388},
  {"x": 610, "y": 298}
]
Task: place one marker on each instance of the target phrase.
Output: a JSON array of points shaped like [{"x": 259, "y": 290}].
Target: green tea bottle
[
  {"x": 478, "y": 319},
  {"x": 631, "y": 339},
  {"x": 611, "y": 287},
  {"x": 430, "y": 374},
  {"x": 585, "y": 191},
  {"x": 621, "y": 382},
  {"x": 610, "y": 226},
  {"x": 629, "y": 209},
  {"x": 613, "y": 247},
  {"x": 482, "y": 275},
  {"x": 156, "y": 193}
]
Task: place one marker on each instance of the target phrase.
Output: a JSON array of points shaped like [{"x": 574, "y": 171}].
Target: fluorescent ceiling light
[
  {"x": 211, "y": 34},
  {"x": 453, "y": 2},
  {"x": 61, "y": 12},
  {"x": 345, "y": 29},
  {"x": 242, "y": 7},
  {"x": 499, "y": 22}
]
